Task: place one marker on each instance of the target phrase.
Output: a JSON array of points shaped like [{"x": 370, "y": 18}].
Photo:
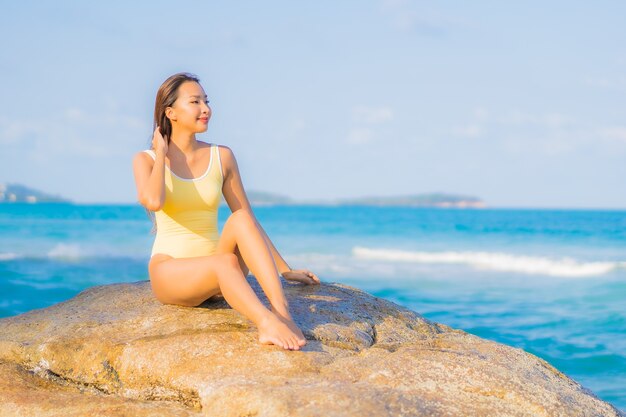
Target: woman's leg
[
  {"x": 242, "y": 263},
  {"x": 241, "y": 233},
  {"x": 190, "y": 281}
]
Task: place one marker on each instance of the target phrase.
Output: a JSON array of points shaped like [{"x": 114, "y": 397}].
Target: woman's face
[{"x": 190, "y": 111}]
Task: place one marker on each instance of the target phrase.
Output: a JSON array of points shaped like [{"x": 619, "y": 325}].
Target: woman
[{"x": 190, "y": 261}]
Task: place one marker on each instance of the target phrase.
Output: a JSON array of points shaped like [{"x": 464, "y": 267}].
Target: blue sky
[{"x": 522, "y": 105}]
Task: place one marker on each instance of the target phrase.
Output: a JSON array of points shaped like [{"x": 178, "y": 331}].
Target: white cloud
[
  {"x": 481, "y": 113},
  {"x": 556, "y": 121},
  {"x": 469, "y": 131},
  {"x": 372, "y": 115},
  {"x": 476, "y": 127},
  {"x": 549, "y": 120},
  {"x": 393, "y": 3},
  {"x": 614, "y": 133},
  {"x": 360, "y": 135},
  {"x": 423, "y": 25},
  {"x": 102, "y": 119},
  {"x": 74, "y": 114},
  {"x": 616, "y": 83},
  {"x": 298, "y": 125},
  {"x": 14, "y": 131},
  {"x": 367, "y": 122},
  {"x": 551, "y": 133},
  {"x": 73, "y": 131},
  {"x": 421, "y": 18}
]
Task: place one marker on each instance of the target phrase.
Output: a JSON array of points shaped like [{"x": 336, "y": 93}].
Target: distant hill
[
  {"x": 418, "y": 200},
  {"x": 17, "y": 193},
  {"x": 262, "y": 198}
]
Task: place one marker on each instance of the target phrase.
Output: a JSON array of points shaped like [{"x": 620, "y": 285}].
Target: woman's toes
[{"x": 288, "y": 343}]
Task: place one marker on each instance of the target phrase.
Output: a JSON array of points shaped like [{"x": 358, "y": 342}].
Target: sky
[{"x": 519, "y": 104}]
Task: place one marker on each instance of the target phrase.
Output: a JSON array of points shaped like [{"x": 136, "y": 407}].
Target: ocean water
[{"x": 552, "y": 282}]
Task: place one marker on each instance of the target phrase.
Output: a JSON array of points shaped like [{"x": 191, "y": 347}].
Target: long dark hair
[{"x": 166, "y": 96}]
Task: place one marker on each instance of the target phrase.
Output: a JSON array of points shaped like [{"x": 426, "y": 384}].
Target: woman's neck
[{"x": 185, "y": 143}]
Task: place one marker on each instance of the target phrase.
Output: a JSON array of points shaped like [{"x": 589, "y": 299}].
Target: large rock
[{"x": 115, "y": 350}]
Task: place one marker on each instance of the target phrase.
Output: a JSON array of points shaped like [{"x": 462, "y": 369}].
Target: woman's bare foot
[
  {"x": 273, "y": 330},
  {"x": 284, "y": 315}
]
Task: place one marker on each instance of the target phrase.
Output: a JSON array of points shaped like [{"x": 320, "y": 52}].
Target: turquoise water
[{"x": 552, "y": 282}]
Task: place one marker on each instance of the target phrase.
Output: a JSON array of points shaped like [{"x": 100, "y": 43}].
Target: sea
[{"x": 549, "y": 281}]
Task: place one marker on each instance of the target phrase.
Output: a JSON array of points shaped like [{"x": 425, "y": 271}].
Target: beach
[{"x": 551, "y": 282}]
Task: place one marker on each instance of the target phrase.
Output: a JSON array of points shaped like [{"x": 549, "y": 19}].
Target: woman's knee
[
  {"x": 240, "y": 216},
  {"x": 227, "y": 263}
]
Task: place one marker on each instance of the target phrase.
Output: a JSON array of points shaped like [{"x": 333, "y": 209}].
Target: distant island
[
  {"x": 17, "y": 193},
  {"x": 417, "y": 200},
  {"x": 258, "y": 198}
]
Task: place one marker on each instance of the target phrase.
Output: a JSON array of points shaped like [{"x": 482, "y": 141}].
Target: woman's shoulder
[
  {"x": 223, "y": 150},
  {"x": 209, "y": 144},
  {"x": 146, "y": 154},
  {"x": 222, "y": 147},
  {"x": 144, "y": 158},
  {"x": 226, "y": 157}
]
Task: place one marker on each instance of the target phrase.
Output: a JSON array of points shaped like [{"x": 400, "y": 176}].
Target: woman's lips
[{"x": 204, "y": 120}]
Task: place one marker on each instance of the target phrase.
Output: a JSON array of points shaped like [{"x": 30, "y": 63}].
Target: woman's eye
[{"x": 207, "y": 101}]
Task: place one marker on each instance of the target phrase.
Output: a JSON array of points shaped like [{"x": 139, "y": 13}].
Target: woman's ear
[{"x": 170, "y": 113}]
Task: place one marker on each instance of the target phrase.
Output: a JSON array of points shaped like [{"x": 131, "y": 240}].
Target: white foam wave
[
  {"x": 497, "y": 261},
  {"x": 63, "y": 251},
  {"x": 75, "y": 252},
  {"x": 7, "y": 256}
]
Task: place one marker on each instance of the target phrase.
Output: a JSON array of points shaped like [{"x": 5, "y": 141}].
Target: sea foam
[
  {"x": 497, "y": 261},
  {"x": 65, "y": 251},
  {"x": 7, "y": 256}
]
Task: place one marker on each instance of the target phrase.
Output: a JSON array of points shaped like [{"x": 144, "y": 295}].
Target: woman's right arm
[{"x": 150, "y": 175}]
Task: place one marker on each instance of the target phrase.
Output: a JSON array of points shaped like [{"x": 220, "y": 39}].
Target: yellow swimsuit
[{"x": 187, "y": 222}]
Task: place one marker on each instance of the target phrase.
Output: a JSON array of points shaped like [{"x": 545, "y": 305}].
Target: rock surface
[{"x": 115, "y": 350}]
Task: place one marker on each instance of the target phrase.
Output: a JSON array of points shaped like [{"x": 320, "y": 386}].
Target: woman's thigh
[{"x": 187, "y": 281}]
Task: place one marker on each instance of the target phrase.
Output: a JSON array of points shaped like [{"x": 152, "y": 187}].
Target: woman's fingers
[
  {"x": 302, "y": 275},
  {"x": 306, "y": 279},
  {"x": 158, "y": 141},
  {"x": 313, "y": 277}
]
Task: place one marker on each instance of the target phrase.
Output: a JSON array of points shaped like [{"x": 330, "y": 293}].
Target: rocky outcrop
[{"x": 115, "y": 350}]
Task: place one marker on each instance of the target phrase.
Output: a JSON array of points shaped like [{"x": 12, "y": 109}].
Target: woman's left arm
[{"x": 236, "y": 198}]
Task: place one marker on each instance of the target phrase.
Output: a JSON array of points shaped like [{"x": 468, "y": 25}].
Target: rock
[{"x": 115, "y": 350}]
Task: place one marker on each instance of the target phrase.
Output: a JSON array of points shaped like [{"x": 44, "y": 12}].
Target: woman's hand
[
  {"x": 301, "y": 275},
  {"x": 158, "y": 141}
]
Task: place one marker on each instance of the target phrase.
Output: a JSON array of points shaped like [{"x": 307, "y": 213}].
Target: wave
[
  {"x": 68, "y": 252},
  {"x": 8, "y": 256},
  {"x": 496, "y": 261},
  {"x": 71, "y": 252}
]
